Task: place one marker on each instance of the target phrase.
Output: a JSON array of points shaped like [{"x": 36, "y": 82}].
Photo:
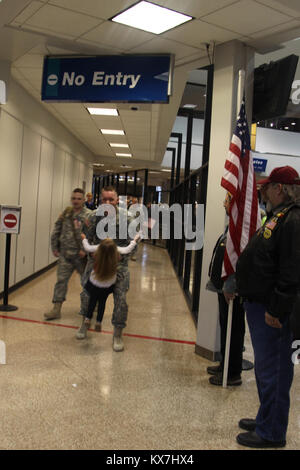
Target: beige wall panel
[
  {"x": 75, "y": 181},
  {"x": 11, "y": 136},
  {"x": 68, "y": 179},
  {"x": 44, "y": 205},
  {"x": 57, "y": 191},
  {"x": 81, "y": 174},
  {"x": 36, "y": 116},
  {"x": 28, "y": 201}
]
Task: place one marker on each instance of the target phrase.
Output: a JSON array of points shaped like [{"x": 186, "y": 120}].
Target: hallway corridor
[{"x": 60, "y": 393}]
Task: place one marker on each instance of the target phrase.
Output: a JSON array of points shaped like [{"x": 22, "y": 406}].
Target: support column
[{"x": 229, "y": 59}]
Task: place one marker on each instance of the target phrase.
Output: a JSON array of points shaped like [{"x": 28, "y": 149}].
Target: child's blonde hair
[{"x": 106, "y": 260}]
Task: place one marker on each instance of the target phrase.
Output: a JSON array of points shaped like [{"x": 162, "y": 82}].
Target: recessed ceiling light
[
  {"x": 103, "y": 111},
  {"x": 112, "y": 131},
  {"x": 98, "y": 164},
  {"x": 123, "y": 154},
  {"x": 293, "y": 123},
  {"x": 120, "y": 145},
  {"x": 190, "y": 106},
  {"x": 152, "y": 18},
  {"x": 169, "y": 171}
]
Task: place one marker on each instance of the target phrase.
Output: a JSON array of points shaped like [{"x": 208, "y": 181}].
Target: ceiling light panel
[
  {"x": 103, "y": 111},
  {"x": 112, "y": 131},
  {"x": 123, "y": 154},
  {"x": 119, "y": 145},
  {"x": 151, "y": 18}
]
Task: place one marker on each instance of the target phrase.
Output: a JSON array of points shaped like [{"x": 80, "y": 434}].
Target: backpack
[{"x": 216, "y": 263}]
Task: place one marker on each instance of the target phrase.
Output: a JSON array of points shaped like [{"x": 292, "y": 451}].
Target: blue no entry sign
[{"x": 127, "y": 78}]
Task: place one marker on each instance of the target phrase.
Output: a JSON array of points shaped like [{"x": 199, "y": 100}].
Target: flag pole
[
  {"x": 240, "y": 94},
  {"x": 240, "y": 91},
  {"x": 227, "y": 348}
]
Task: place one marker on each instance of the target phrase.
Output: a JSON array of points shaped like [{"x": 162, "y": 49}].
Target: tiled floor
[{"x": 59, "y": 393}]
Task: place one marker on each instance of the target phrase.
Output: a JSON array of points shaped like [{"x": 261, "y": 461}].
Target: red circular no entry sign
[{"x": 10, "y": 221}]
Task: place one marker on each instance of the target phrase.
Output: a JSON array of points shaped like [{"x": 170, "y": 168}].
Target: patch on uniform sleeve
[
  {"x": 267, "y": 233},
  {"x": 272, "y": 224}
]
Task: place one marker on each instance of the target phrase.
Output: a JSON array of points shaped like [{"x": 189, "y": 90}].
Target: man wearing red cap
[{"x": 268, "y": 279}]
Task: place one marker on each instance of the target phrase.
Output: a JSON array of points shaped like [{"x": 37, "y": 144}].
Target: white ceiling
[{"x": 29, "y": 30}]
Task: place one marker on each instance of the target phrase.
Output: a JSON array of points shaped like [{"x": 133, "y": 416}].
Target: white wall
[
  {"x": 279, "y": 148},
  {"x": 41, "y": 162},
  {"x": 274, "y": 160}
]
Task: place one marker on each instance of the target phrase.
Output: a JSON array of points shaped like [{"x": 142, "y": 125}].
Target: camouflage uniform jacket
[
  {"x": 66, "y": 237},
  {"x": 93, "y": 239}
]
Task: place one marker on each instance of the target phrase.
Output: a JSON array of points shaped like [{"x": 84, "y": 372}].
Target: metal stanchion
[{"x": 6, "y": 307}]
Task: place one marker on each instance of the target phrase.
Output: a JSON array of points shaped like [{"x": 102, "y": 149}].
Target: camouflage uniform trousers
[
  {"x": 119, "y": 316},
  {"x": 65, "y": 269}
]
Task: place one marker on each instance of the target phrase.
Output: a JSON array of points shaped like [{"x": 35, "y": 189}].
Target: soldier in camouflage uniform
[
  {"x": 119, "y": 317},
  {"x": 66, "y": 244}
]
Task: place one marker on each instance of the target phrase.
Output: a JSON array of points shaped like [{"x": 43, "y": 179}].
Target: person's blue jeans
[{"x": 274, "y": 372}]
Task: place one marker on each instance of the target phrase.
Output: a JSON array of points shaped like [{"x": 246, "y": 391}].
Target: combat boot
[
  {"x": 118, "y": 344},
  {"x": 82, "y": 332},
  {"x": 54, "y": 314}
]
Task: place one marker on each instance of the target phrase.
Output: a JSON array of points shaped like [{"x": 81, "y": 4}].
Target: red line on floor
[{"x": 26, "y": 320}]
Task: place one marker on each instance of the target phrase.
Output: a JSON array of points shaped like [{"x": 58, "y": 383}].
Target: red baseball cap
[{"x": 283, "y": 175}]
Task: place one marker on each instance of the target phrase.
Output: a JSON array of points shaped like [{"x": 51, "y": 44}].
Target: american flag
[{"x": 239, "y": 181}]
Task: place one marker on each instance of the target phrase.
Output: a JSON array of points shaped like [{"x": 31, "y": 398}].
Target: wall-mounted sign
[
  {"x": 10, "y": 219},
  {"x": 126, "y": 78},
  {"x": 260, "y": 165}
]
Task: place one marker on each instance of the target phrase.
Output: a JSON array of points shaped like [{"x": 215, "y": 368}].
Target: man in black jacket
[{"x": 268, "y": 278}]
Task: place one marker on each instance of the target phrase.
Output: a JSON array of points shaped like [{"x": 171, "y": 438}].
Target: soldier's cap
[{"x": 283, "y": 174}]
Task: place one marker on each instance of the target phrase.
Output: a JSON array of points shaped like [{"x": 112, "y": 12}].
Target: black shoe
[
  {"x": 251, "y": 439},
  {"x": 247, "y": 424},
  {"x": 213, "y": 370},
  {"x": 232, "y": 381},
  {"x": 247, "y": 365}
]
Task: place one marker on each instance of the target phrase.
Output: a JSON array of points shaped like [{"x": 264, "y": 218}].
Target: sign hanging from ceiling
[{"x": 126, "y": 78}]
